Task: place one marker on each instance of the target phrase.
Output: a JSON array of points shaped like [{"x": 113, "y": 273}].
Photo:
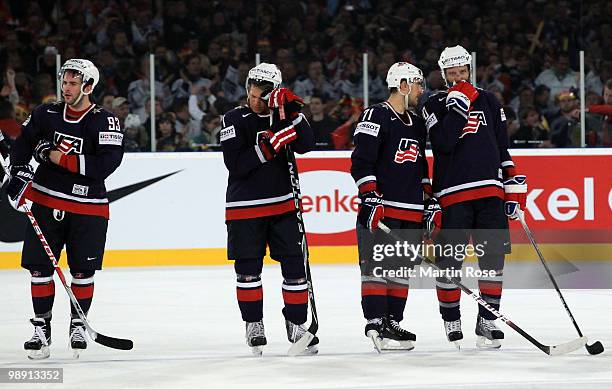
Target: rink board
[{"x": 168, "y": 208}]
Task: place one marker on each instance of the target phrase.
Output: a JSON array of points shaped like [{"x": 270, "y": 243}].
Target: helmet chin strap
[{"x": 407, "y": 97}]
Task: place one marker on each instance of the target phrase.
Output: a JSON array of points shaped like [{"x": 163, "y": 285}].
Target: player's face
[
  {"x": 71, "y": 87},
  {"x": 416, "y": 91},
  {"x": 456, "y": 74},
  {"x": 256, "y": 104},
  {"x": 608, "y": 95}
]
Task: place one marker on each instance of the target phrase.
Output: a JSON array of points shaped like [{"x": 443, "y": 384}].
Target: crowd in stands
[{"x": 527, "y": 55}]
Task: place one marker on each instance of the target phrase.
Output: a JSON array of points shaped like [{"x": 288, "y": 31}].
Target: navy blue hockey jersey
[
  {"x": 470, "y": 153},
  {"x": 389, "y": 157},
  {"x": 94, "y": 149},
  {"x": 256, "y": 187}
]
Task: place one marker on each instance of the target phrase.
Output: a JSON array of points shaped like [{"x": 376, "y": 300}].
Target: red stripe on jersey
[
  {"x": 68, "y": 206},
  {"x": 397, "y": 291},
  {"x": 249, "y": 294},
  {"x": 259, "y": 211},
  {"x": 82, "y": 292},
  {"x": 300, "y": 297},
  {"x": 43, "y": 290},
  {"x": 403, "y": 214},
  {"x": 373, "y": 289},
  {"x": 471, "y": 194},
  {"x": 367, "y": 187},
  {"x": 490, "y": 288},
  {"x": 70, "y": 163},
  {"x": 448, "y": 295}
]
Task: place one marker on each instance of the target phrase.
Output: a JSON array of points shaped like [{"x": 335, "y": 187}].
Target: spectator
[
  {"x": 166, "y": 134},
  {"x": 134, "y": 132},
  {"x": 9, "y": 88},
  {"x": 316, "y": 81},
  {"x": 559, "y": 77},
  {"x": 191, "y": 74},
  {"x": 139, "y": 91},
  {"x": 121, "y": 109},
  {"x": 533, "y": 130},
  {"x": 209, "y": 137},
  {"x": 601, "y": 133},
  {"x": 322, "y": 125},
  {"x": 107, "y": 102},
  {"x": 541, "y": 96},
  {"x": 565, "y": 129},
  {"x": 8, "y": 124}
]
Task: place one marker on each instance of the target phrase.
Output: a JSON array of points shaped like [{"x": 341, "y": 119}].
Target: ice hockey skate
[
  {"x": 395, "y": 338},
  {"x": 256, "y": 337},
  {"x": 78, "y": 337},
  {"x": 453, "y": 332},
  {"x": 295, "y": 333},
  {"x": 488, "y": 335},
  {"x": 38, "y": 346}
]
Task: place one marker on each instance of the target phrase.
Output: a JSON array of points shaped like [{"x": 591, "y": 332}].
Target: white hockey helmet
[
  {"x": 86, "y": 69},
  {"x": 264, "y": 72},
  {"x": 403, "y": 71},
  {"x": 453, "y": 56}
]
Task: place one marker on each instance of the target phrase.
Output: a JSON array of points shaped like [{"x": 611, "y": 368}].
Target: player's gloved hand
[
  {"x": 42, "y": 150},
  {"x": 432, "y": 218},
  {"x": 271, "y": 141},
  {"x": 461, "y": 96},
  {"x": 516, "y": 195},
  {"x": 285, "y": 100},
  {"x": 372, "y": 209},
  {"x": 21, "y": 180}
]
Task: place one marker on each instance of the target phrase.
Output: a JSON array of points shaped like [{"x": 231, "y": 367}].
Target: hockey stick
[
  {"x": 116, "y": 343},
  {"x": 550, "y": 350},
  {"x": 593, "y": 349},
  {"x": 299, "y": 346}
]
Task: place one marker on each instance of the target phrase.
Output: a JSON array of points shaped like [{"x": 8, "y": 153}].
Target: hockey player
[
  {"x": 390, "y": 170},
  {"x": 260, "y": 208},
  {"x": 77, "y": 145},
  {"x": 473, "y": 177}
]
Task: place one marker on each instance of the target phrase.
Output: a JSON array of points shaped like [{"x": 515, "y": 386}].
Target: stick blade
[
  {"x": 595, "y": 348},
  {"x": 299, "y": 346},
  {"x": 567, "y": 347},
  {"x": 116, "y": 343}
]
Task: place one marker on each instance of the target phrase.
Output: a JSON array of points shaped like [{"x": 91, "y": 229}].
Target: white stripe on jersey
[
  {"x": 468, "y": 185},
  {"x": 268, "y": 200},
  {"x": 48, "y": 191}
]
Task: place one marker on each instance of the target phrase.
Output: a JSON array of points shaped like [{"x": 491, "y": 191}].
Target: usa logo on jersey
[
  {"x": 67, "y": 143},
  {"x": 475, "y": 119},
  {"x": 407, "y": 150}
]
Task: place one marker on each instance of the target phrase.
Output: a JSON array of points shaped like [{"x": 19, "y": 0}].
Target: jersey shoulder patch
[{"x": 371, "y": 120}]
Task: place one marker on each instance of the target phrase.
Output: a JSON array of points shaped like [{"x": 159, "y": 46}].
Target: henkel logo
[
  {"x": 329, "y": 200},
  {"x": 565, "y": 204}
]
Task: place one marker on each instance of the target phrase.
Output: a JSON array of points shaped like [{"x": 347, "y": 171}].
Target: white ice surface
[{"x": 188, "y": 333}]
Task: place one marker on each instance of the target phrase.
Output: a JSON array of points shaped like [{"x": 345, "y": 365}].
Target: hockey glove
[
  {"x": 516, "y": 195},
  {"x": 21, "y": 180},
  {"x": 283, "y": 133},
  {"x": 42, "y": 150},
  {"x": 269, "y": 142},
  {"x": 372, "y": 210},
  {"x": 460, "y": 97},
  {"x": 432, "y": 218},
  {"x": 285, "y": 100}
]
